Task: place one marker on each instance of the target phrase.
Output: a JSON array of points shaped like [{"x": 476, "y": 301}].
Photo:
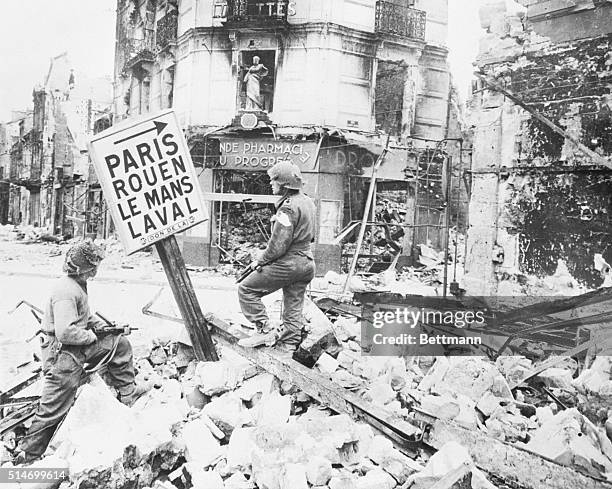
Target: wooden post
[
  {"x": 366, "y": 213},
  {"x": 184, "y": 294}
]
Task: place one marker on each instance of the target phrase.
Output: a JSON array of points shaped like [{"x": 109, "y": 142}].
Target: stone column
[{"x": 483, "y": 213}]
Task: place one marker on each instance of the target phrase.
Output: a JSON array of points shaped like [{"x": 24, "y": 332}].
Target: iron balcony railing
[
  {"x": 399, "y": 20},
  {"x": 136, "y": 51},
  {"x": 252, "y": 11}
]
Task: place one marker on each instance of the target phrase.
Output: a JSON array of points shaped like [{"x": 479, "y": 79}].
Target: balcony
[
  {"x": 167, "y": 27},
  {"x": 395, "y": 19},
  {"x": 138, "y": 53},
  {"x": 252, "y": 13}
]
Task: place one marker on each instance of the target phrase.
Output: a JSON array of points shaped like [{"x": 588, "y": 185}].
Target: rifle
[
  {"x": 248, "y": 271},
  {"x": 104, "y": 330},
  {"x": 112, "y": 327}
]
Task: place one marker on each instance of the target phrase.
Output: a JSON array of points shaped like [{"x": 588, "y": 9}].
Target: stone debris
[
  {"x": 200, "y": 444},
  {"x": 228, "y": 425},
  {"x": 227, "y": 412},
  {"x": 217, "y": 377},
  {"x": 560, "y": 378},
  {"x": 571, "y": 439},
  {"x": 450, "y": 457},
  {"x": 256, "y": 387},
  {"x": 137, "y": 444},
  {"x": 597, "y": 379},
  {"x": 318, "y": 471},
  {"x": 471, "y": 376},
  {"x": 327, "y": 364}
]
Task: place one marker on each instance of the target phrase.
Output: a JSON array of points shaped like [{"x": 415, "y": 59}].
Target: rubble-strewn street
[
  {"x": 301, "y": 244},
  {"x": 232, "y": 424}
]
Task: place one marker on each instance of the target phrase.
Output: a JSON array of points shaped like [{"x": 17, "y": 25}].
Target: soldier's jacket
[
  {"x": 293, "y": 228},
  {"x": 67, "y": 315}
]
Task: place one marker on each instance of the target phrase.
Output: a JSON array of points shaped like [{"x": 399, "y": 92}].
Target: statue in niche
[{"x": 253, "y": 77}]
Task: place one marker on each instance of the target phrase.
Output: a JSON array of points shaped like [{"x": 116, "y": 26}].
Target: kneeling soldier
[{"x": 72, "y": 342}]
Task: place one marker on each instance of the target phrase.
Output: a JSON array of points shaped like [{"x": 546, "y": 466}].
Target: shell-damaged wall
[{"x": 537, "y": 202}]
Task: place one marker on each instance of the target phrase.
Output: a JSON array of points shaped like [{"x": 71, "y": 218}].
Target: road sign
[{"x": 148, "y": 179}]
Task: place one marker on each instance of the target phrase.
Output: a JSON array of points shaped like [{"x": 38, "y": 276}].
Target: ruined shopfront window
[
  {"x": 241, "y": 227},
  {"x": 256, "y": 81}
]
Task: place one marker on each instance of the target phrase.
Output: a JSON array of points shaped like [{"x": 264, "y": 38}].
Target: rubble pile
[
  {"x": 227, "y": 425},
  {"x": 247, "y": 233},
  {"x": 475, "y": 393},
  {"x": 594, "y": 390}
]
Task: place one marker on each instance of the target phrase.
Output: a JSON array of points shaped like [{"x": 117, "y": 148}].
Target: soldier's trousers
[
  {"x": 64, "y": 377},
  {"x": 292, "y": 273}
]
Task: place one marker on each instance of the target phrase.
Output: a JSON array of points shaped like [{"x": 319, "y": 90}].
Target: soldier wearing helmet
[
  {"x": 287, "y": 262},
  {"x": 70, "y": 343}
]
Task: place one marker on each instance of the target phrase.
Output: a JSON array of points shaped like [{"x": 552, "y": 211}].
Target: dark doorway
[{"x": 390, "y": 80}]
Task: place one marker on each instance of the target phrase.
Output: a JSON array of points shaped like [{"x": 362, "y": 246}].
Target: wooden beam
[
  {"x": 246, "y": 198},
  {"x": 402, "y": 433},
  {"x": 552, "y": 307},
  {"x": 527, "y": 469},
  {"x": 551, "y": 362},
  {"x": 370, "y": 202},
  {"x": 515, "y": 465},
  {"x": 186, "y": 299},
  {"x": 20, "y": 383}
]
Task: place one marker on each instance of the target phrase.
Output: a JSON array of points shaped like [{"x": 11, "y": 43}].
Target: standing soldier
[
  {"x": 72, "y": 341},
  {"x": 287, "y": 262}
]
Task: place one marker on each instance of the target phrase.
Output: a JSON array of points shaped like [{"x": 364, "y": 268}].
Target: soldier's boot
[
  {"x": 259, "y": 339},
  {"x": 263, "y": 327},
  {"x": 289, "y": 338},
  {"x": 283, "y": 337},
  {"x": 24, "y": 458},
  {"x": 140, "y": 388}
]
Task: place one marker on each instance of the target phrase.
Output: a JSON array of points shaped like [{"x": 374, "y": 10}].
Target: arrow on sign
[
  {"x": 305, "y": 157},
  {"x": 159, "y": 127}
]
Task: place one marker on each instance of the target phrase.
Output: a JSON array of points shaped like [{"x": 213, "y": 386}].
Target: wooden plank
[
  {"x": 370, "y": 200},
  {"x": 529, "y": 470},
  {"x": 551, "y": 307},
  {"x": 19, "y": 384},
  {"x": 247, "y": 198},
  {"x": 551, "y": 362},
  {"x": 417, "y": 301},
  {"x": 513, "y": 464},
  {"x": 319, "y": 387},
  {"x": 185, "y": 296},
  {"x": 17, "y": 417},
  {"x": 490, "y": 455}
]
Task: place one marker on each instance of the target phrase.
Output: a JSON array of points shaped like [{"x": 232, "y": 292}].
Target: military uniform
[
  {"x": 70, "y": 344},
  {"x": 287, "y": 263}
]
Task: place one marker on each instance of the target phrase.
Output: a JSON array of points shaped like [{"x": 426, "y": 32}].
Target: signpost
[{"x": 152, "y": 191}]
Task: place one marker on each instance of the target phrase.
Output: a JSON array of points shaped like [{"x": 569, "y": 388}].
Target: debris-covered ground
[{"x": 231, "y": 424}]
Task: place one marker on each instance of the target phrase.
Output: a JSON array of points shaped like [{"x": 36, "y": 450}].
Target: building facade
[
  {"x": 45, "y": 151},
  {"x": 541, "y": 206},
  {"x": 313, "y": 81}
]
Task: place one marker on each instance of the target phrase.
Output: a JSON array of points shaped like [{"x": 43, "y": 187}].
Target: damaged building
[
  {"x": 320, "y": 84},
  {"x": 48, "y": 181},
  {"x": 541, "y": 176}
]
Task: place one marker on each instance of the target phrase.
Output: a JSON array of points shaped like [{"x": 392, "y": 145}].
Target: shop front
[
  {"x": 235, "y": 181},
  {"x": 337, "y": 171}
]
